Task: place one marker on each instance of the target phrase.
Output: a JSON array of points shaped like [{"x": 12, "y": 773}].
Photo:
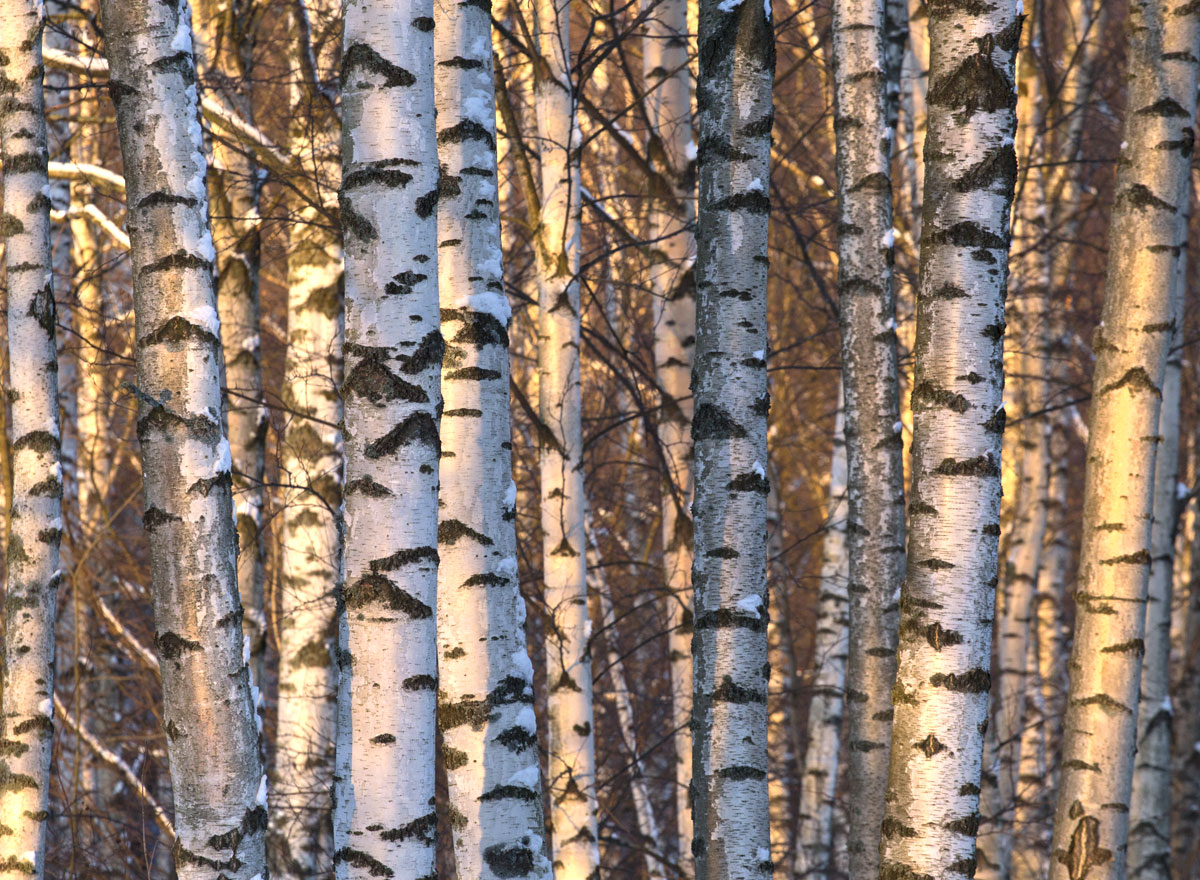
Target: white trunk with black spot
[
  {"x": 384, "y": 822},
  {"x": 208, "y": 713},
  {"x": 485, "y": 697},
  {"x": 1091, "y": 827},
  {"x": 572, "y": 762},
  {"x": 311, "y": 470},
  {"x": 814, "y": 857},
  {"x": 729, "y": 430},
  {"x": 27, "y": 726},
  {"x": 864, "y": 98},
  {"x": 672, "y": 286},
  {"x": 941, "y": 692}
]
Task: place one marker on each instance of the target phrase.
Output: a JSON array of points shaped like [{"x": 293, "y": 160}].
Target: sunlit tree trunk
[
  {"x": 729, "y": 380},
  {"x": 225, "y": 34},
  {"x": 311, "y": 471},
  {"x": 672, "y": 285},
  {"x": 384, "y": 821},
  {"x": 1150, "y": 806},
  {"x": 489, "y": 736},
  {"x": 27, "y": 726},
  {"x": 572, "y": 763},
  {"x": 1092, "y": 820},
  {"x": 212, "y": 740},
  {"x": 941, "y": 693},
  {"x": 818, "y": 781},
  {"x": 875, "y": 530}
]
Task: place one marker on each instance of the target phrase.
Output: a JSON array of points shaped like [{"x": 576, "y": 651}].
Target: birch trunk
[
  {"x": 1150, "y": 806},
  {"x": 729, "y": 430},
  {"x": 946, "y": 608},
  {"x": 27, "y": 726},
  {"x": 311, "y": 470},
  {"x": 485, "y": 701},
  {"x": 814, "y": 857},
  {"x": 874, "y": 442},
  {"x": 572, "y": 762},
  {"x": 673, "y": 287},
  {"x": 212, "y": 739},
  {"x": 384, "y": 822},
  {"x": 1092, "y": 821},
  {"x": 1026, "y": 342},
  {"x": 233, "y": 189}
]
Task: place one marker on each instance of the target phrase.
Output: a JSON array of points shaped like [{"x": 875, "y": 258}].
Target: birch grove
[{"x": 568, "y": 440}]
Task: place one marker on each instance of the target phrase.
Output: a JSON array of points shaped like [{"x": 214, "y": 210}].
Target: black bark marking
[
  {"x": 1084, "y": 851},
  {"x": 711, "y": 422},
  {"x": 376, "y": 588},
  {"x": 1135, "y": 379},
  {"x": 450, "y": 530},
  {"x": 362, "y": 57},
  {"x": 419, "y": 427},
  {"x": 973, "y": 681},
  {"x": 929, "y": 393},
  {"x": 171, "y": 645}
]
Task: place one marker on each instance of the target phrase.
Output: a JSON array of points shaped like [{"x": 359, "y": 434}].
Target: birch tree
[
  {"x": 35, "y": 524},
  {"x": 729, "y": 382},
  {"x": 311, "y": 464},
  {"x": 384, "y": 821},
  {"x": 822, "y": 757},
  {"x": 572, "y": 761},
  {"x": 672, "y": 286},
  {"x": 485, "y": 697},
  {"x": 874, "y": 443},
  {"x": 1091, "y": 824},
  {"x": 224, "y": 34},
  {"x": 212, "y": 739},
  {"x": 1150, "y": 806},
  {"x": 946, "y": 606}
]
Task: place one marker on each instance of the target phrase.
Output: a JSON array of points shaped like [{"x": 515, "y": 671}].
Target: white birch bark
[
  {"x": 818, "y": 783},
  {"x": 946, "y": 608},
  {"x": 1150, "y": 804},
  {"x": 311, "y": 470},
  {"x": 212, "y": 739},
  {"x": 672, "y": 286},
  {"x": 384, "y": 822},
  {"x": 729, "y": 380},
  {"x": 1092, "y": 820},
  {"x": 874, "y": 442},
  {"x": 572, "y": 761},
  {"x": 35, "y": 514},
  {"x": 485, "y": 697},
  {"x": 233, "y": 190}
]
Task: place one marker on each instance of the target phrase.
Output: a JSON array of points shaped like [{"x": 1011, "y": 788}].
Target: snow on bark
[
  {"x": 485, "y": 696},
  {"x": 311, "y": 464},
  {"x": 572, "y": 765},
  {"x": 729, "y": 380},
  {"x": 672, "y": 286},
  {"x": 35, "y": 515},
  {"x": 863, "y": 64},
  {"x": 941, "y": 692},
  {"x": 233, "y": 190},
  {"x": 384, "y": 821},
  {"x": 814, "y": 857},
  {"x": 212, "y": 738},
  {"x": 1091, "y": 828}
]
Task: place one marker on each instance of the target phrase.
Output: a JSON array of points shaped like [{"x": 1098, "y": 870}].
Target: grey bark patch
[
  {"x": 893, "y": 827},
  {"x": 976, "y": 85},
  {"x": 981, "y": 466},
  {"x": 371, "y": 379},
  {"x": 428, "y": 354},
  {"x": 171, "y": 645},
  {"x": 973, "y": 681},
  {"x": 419, "y": 427},
  {"x": 1133, "y": 646},
  {"x": 1141, "y": 557},
  {"x": 931, "y": 746},
  {"x": 998, "y": 166},
  {"x": 177, "y": 330},
  {"x": 375, "y": 588},
  {"x": 180, "y": 259},
  {"x": 711, "y": 422},
  {"x": 165, "y": 199},
  {"x": 471, "y": 374},
  {"x": 1140, "y": 198},
  {"x": 358, "y": 859},
  {"x": 724, "y": 617},
  {"x": 450, "y": 530},
  {"x": 967, "y": 234},
  {"x": 1135, "y": 379},
  {"x": 509, "y": 861},
  {"x": 1084, "y": 851},
  {"x": 369, "y": 487},
  {"x": 728, "y": 691},
  {"x": 1105, "y": 702},
  {"x": 750, "y": 482},
  {"x": 466, "y": 130},
  {"x": 377, "y": 174},
  {"x": 741, "y": 772},
  {"x": 968, "y": 825},
  {"x": 518, "y": 739},
  {"x": 363, "y": 59},
  {"x": 423, "y": 828},
  {"x": 929, "y": 393},
  {"x": 40, "y": 724},
  {"x": 403, "y": 557},
  {"x": 1167, "y": 108},
  {"x": 513, "y": 792},
  {"x": 897, "y": 871}
]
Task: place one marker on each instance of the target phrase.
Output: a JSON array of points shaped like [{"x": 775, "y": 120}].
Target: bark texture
[
  {"x": 485, "y": 697},
  {"x": 818, "y": 783},
  {"x": 35, "y": 514},
  {"x": 1091, "y": 827},
  {"x": 946, "y": 608},
  {"x": 311, "y": 470},
  {"x": 864, "y": 101},
  {"x": 384, "y": 821},
  {"x": 219, "y": 789},
  {"x": 729, "y": 381},
  {"x": 572, "y": 763}
]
